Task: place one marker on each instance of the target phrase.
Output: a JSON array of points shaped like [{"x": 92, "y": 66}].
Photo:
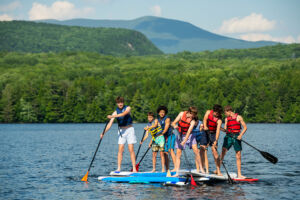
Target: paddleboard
[
  {"x": 213, "y": 176},
  {"x": 140, "y": 179},
  {"x": 248, "y": 179},
  {"x": 147, "y": 174}
]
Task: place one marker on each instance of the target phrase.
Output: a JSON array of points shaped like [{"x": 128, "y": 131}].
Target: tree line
[{"x": 82, "y": 87}]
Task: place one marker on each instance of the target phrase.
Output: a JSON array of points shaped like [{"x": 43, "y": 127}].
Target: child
[
  {"x": 157, "y": 142},
  {"x": 126, "y": 131},
  {"x": 212, "y": 123},
  {"x": 234, "y": 124},
  {"x": 186, "y": 122}
]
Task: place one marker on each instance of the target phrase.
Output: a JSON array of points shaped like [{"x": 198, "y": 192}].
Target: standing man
[
  {"x": 212, "y": 122},
  {"x": 125, "y": 131},
  {"x": 233, "y": 123}
]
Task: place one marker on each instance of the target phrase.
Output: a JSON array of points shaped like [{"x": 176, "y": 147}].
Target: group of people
[{"x": 191, "y": 132}]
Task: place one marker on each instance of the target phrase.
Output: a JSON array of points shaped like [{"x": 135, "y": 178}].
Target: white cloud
[
  {"x": 58, "y": 10},
  {"x": 10, "y": 7},
  {"x": 267, "y": 37},
  {"x": 252, "y": 23},
  {"x": 156, "y": 10},
  {"x": 5, "y": 17}
]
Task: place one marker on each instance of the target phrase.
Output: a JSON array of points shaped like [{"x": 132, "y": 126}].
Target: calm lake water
[{"x": 47, "y": 161}]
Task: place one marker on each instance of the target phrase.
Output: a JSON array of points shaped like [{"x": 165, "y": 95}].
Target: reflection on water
[{"x": 47, "y": 161}]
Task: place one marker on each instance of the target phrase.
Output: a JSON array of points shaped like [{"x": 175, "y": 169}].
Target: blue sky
[{"x": 276, "y": 20}]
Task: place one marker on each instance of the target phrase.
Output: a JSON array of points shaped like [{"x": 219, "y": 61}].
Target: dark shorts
[
  {"x": 208, "y": 139},
  {"x": 230, "y": 139}
]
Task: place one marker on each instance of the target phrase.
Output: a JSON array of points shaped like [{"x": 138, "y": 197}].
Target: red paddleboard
[{"x": 245, "y": 179}]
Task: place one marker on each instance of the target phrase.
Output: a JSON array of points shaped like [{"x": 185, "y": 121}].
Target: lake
[{"x": 47, "y": 161}]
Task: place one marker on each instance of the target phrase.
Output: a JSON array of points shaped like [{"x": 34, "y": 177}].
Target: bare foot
[
  {"x": 173, "y": 170},
  {"x": 134, "y": 170},
  {"x": 202, "y": 171},
  {"x": 219, "y": 174},
  {"x": 163, "y": 170},
  {"x": 215, "y": 172},
  {"x": 242, "y": 177},
  {"x": 153, "y": 171}
]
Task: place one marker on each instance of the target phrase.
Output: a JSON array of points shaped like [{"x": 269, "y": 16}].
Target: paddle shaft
[
  {"x": 188, "y": 163},
  {"x": 229, "y": 178},
  {"x": 144, "y": 155},
  {"x": 97, "y": 147},
  {"x": 140, "y": 145},
  {"x": 266, "y": 155}
]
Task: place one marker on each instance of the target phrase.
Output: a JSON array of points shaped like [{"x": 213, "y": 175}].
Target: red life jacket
[
  {"x": 212, "y": 122},
  {"x": 233, "y": 126},
  {"x": 184, "y": 124}
]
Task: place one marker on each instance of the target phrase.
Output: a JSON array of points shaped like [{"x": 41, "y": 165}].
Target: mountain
[
  {"x": 171, "y": 36},
  {"x": 24, "y": 36}
]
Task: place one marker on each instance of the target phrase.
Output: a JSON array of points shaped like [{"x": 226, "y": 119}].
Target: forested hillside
[
  {"x": 81, "y": 87},
  {"x": 22, "y": 36},
  {"x": 170, "y": 35}
]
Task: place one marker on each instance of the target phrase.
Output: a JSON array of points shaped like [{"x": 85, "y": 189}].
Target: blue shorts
[
  {"x": 170, "y": 142},
  {"x": 208, "y": 139}
]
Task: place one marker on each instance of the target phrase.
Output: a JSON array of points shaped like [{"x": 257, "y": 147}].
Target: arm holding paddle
[
  {"x": 174, "y": 123},
  {"x": 109, "y": 124},
  {"x": 266, "y": 155},
  {"x": 115, "y": 115}
]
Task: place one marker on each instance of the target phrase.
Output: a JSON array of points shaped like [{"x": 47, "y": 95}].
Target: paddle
[
  {"x": 86, "y": 175},
  {"x": 140, "y": 145},
  {"x": 189, "y": 165},
  {"x": 229, "y": 178},
  {"x": 266, "y": 155},
  {"x": 137, "y": 166}
]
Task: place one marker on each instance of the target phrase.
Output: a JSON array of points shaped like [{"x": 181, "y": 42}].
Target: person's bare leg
[
  {"x": 197, "y": 158},
  {"x": 154, "y": 154},
  {"x": 177, "y": 161},
  {"x": 162, "y": 158},
  {"x": 203, "y": 152},
  {"x": 173, "y": 156},
  {"x": 216, "y": 158},
  {"x": 120, "y": 156},
  {"x": 238, "y": 163},
  {"x": 132, "y": 156}
]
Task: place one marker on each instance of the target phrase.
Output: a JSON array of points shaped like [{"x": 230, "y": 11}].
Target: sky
[{"x": 253, "y": 20}]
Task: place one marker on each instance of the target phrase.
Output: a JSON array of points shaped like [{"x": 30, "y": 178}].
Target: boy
[
  {"x": 233, "y": 123},
  {"x": 186, "y": 121},
  {"x": 165, "y": 123},
  {"x": 126, "y": 131},
  {"x": 212, "y": 122}
]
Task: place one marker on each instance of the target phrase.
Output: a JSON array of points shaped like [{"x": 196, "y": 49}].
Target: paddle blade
[
  {"x": 193, "y": 183},
  {"x": 137, "y": 167},
  {"x": 269, "y": 157},
  {"x": 85, "y": 177}
]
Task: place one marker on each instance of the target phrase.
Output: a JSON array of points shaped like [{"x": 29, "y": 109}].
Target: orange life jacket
[
  {"x": 233, "y": 126},
  {"x": 184, "y": 123},
  {"x": 212, "y": 122}
]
